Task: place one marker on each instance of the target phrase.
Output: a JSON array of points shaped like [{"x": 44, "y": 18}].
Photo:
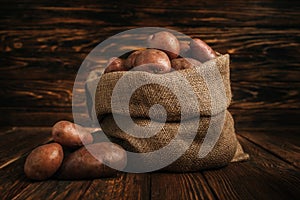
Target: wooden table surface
[{"x": 43, "y": 44}]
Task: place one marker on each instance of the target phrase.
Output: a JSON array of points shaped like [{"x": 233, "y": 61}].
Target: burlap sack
[
  {"x": 206, "y": 103},
  {"x": 148, "y": 95}
]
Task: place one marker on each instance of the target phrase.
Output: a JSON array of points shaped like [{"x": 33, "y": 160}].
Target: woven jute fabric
[
  {"x": 148, "y": 95},
  {"x": 209, "y": 102},
  {"x": 222, "y": 153}
]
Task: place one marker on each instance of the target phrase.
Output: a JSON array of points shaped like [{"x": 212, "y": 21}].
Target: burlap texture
[
  {"x": 221, "y": 154},
  {"x": 226, "y": 149},
  {"x": 148, "y": 95}
]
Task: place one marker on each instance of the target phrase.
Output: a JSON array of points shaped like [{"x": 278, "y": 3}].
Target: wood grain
[
  {"x": 63, "y": 190},
  {"x": 251, "y": 49},
  {"x": 43, "y": 44},
  {"x": 125, "y": 186},
  {"x": 194, "y": 13},
  {"x": 263, "y": 177},
  {"x": 18, "y": 138},
  {"x": 58, "y": 93},
  {"x": 244, "y": 119},
  {"x": 172, "y": 186},
  {"x": 284, "y": 144}
]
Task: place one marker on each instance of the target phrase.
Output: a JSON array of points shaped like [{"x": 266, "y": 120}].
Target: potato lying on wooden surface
[
  {"x": 202, "y": 51},
  {"x": 88, "y": 162},
  {"x": 71, "y": 135},
  {"x": 153, "y": 61},
  {"x": 184, "y": 63},
  {"x": 44, "y": 161},
  {"x": 166, "y": 42}
]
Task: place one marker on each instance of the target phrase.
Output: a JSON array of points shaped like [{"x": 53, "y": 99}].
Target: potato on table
[
  {"x": 71, "y": 135},
  {"x": 44, "y": 161},
  {"x": 88, "y": 162}
]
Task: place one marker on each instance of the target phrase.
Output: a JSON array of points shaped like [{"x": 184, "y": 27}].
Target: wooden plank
[
  {"x": 40, "y": 93},
  {"x": 229, "y": 13},
  {"x": 125, "y": 186},
  {"x": 179, "y": 186},
  {"x": 274, "y": 95},
  {"x": 14, "y": 185},
  {"x": 238, "y": 41},
  {"x": 12, "y": 179},
  {"x": 54, "y": 189},
  {"x": 58, "y": 54},
  {"x": 15, "y": 145},
  {"x": 63, "y": 67},
  {"x": 58, "y": 93},
  {"x": 22, "y": 139},
  {"x": 244, "y": 119},
  {"x": 264, "y": 176},
  {"x": 283, "y": 143},
  {"x": 248, "y": 119}
]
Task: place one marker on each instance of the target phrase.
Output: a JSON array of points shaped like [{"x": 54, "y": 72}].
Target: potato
[
  {"x": 115, "y": 64},
  {"x": 129, "y": 62},
  {"x": 201, "y": 51},
  {"x": 185, "y": 49},
  {"x": 44, "y": 161},
  {"x": 71, "y": 135},
  {"x": 166, "y": 42},
  {"x": 88, "y": 162},
  {"x": 184, "y": 63},
  {"x": 153, "y": 61}
]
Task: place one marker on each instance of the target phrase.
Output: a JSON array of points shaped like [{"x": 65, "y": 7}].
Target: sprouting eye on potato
[{"x": 164, "y": 55}]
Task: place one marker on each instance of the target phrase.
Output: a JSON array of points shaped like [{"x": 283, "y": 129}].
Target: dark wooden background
[{"x": 43, "y": 44}]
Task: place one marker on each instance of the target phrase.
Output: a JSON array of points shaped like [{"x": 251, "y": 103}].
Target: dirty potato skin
[
  {"x": 201, "y": 51},
  {"x": 115, "y": 64},
  {"x": 71, "y": 135},
  {"x": 44, "y": 161},
  {"x": 82, "y": 164},
  {"x": 184, "y": 63},
  {"x": 153, "y": 61},
  {"x": 166, "y": 42}
]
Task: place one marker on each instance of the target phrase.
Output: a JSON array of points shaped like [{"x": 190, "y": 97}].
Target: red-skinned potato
[
  {"x": 129, "y": 62},
  {"x": 44, "y": 161},
  {"x": 153, "y": 61},
  {"x": 201, "y": 51},
  {"x": 88, "y": 162},
  {"x": 115, "y": 64},
  {"x": 166, "y": 42},
  {"x": 184, "y": 63},
  {"x": 71, "y": 135}
]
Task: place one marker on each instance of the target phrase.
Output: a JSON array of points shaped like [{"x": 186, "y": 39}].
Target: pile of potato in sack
[
  {"x": 191, "y": 84},
  {"x": 179, "y": 90}
]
